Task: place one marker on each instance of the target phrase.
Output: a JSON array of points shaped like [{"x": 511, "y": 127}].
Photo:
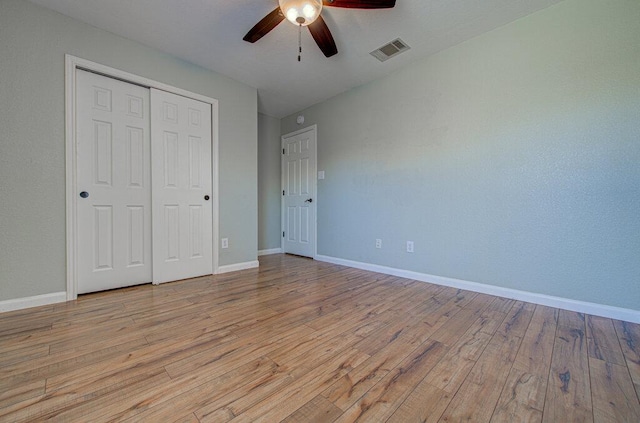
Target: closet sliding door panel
[
  {"x": 114, "y": 183},
  {"x": 182, "y": 188}
]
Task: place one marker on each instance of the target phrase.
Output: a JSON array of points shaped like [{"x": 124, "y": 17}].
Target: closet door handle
[
  {"x": 206, "y": 198},
  {"x": 84, "y": 194}
]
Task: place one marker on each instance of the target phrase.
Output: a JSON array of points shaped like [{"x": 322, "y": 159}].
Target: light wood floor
[{"x": 303, "y": 341}]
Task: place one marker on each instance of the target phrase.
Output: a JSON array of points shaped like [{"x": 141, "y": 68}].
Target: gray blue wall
[
  {"x": 268, "y": 182},
  {"x": 33, "y": 41},
  {"x": 512, "y": 159}
]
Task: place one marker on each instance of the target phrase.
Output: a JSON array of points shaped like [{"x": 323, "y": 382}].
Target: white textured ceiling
[{"x": 209, "y": 33}]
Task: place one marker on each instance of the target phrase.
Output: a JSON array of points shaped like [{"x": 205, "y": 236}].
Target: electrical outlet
[
  {"x": 378, "y": 243},
  {"x": 225, "y": 242},
  {"x": 409, "y": 246}
]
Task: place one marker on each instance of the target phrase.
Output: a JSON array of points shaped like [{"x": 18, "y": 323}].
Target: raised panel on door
[
  {"x": 136, "y": 157},
  {"x": 102, "y": 238},
  {"x": 304, "y": 181},
  {"x": 292, "y": 225},
  {"x": 113, "y": 169},
  {"x": 196, "y": 236},
  {"x": 170, "y": 157},
  {"x": 102, "y": 158},
  {"x": 195, "y": 165},
  {"x": 182, "y": 206},
  {"x": 136, "y": 236},
  {"x": 171, "y": 242},
  {"x": 304, "y": 224},
  {"x": 299, "y": 187}
]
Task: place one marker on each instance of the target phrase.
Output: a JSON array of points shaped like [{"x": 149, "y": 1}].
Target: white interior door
[
  {"x": 113, "y": 180},
  {"x": 181, "y": 192},
  {"x": 298, "y": 190}
]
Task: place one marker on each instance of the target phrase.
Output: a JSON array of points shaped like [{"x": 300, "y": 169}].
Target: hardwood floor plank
[
  {"x": 463, "y": 319},
  {"x": 425, "y": 404},
  {"x": 523, "y": 395},
  {"x": 140, "y": 360},
  {"x": 571, "y": 319},
  {"x": 568, "y": 395},
  {"x": 72, "y": 405},
  {"x": 20, "y": 393},
  {"x": 602, "y": 341},
  {"x": 301, "y": 340},
  {"x": 243, "y": 347},
  {"x": 614, "y": 397},
  {"x": 454, "y": 367},
  {"x": 409, "y": 323},
  {"x": 12, "y": 356},
  {"x": 349, "y": 388},
  {"x": 520, "y": 399},
  {"x": 384, "y": 398},
  {"x": 20, "y": 329},
  {"x": 629, "y": 336},
  {"x": 188, "y": 394},
  {"x": 390, "y": 351},
  {"x": 65, "y": 333},
  {"x": 305, "y": 385},
  {"x": 500, "y": 305},
  {"x": 90, "y": 341},
  {"x": 102, "y": 407},
  {"x": 402, "y": 325},
  {"x": 318, "y": 410},
  {"x": 535, "y": 352},
  {"x": 223, "y": 409},
  {"x": 189, "y": 418},
  {"x": 481, "y": 386},
  {"x": 53, "y": 365},
  {"x": 517, "y": 320}
]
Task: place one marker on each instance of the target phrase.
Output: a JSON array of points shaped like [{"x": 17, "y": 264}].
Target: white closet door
[
  {"x": 181, "y": 172},
  {"x": 299, "y": 186},
  {"x": 113, "y": 171}
]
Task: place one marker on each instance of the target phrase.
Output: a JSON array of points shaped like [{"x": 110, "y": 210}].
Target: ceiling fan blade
[
  {"x": 320, "y": 32},
  {"x": 263, "y": 27},
  {"x": 361, "y": 4}
]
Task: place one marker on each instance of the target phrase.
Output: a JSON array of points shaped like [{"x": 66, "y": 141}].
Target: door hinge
[
  {"x": 283, "y": 234},
  {"x": 282, "y": 192},
  {"x": 283, "y": 151}
]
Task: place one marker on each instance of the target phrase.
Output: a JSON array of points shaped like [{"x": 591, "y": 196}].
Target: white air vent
[{"x": 390, "y": 50}]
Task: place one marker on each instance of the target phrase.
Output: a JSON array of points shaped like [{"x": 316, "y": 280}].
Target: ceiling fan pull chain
[{"x": 299, "y": 41}]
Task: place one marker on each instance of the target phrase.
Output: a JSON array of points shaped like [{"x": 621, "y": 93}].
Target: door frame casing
[
  {"x": 314, "y": 190},
  {"x": 72, "y": 63}
]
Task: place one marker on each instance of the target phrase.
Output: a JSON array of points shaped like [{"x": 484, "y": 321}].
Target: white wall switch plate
[
  {"x": 225, "y": 242},
  {"x": 321, "y": 174},
  {"x": 409, "y": 246}
]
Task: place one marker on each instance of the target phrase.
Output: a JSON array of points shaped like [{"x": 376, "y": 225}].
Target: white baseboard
[
  {"x": 238, "y": 266},
  {"x": 269, "y": 251},
  {"x": 35, "y": 301},
  {"x": 602, "y": 310}
]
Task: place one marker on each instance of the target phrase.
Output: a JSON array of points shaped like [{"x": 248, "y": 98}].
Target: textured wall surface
[
  {"x": 33, "y": 42},
  {"x": 269, "y": 182},
  {"x": 512, "y": 159}
]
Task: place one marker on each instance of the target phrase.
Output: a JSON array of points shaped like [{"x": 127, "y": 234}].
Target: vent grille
[{"x": 390, "y": 50}]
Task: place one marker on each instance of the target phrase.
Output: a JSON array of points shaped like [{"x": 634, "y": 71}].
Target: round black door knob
[
  {"x": 84, "y": 194},
  {"x": 206, "y": 198}
]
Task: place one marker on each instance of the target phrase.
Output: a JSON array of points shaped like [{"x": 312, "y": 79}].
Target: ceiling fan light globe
[
  {"x": 301, "y": 12},
  {"x": 292, "y": 15},
  {"x": 308, "y": 11}
]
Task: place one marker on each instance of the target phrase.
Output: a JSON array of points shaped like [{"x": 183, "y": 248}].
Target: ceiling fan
[{"x": 307, "y": 13}]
